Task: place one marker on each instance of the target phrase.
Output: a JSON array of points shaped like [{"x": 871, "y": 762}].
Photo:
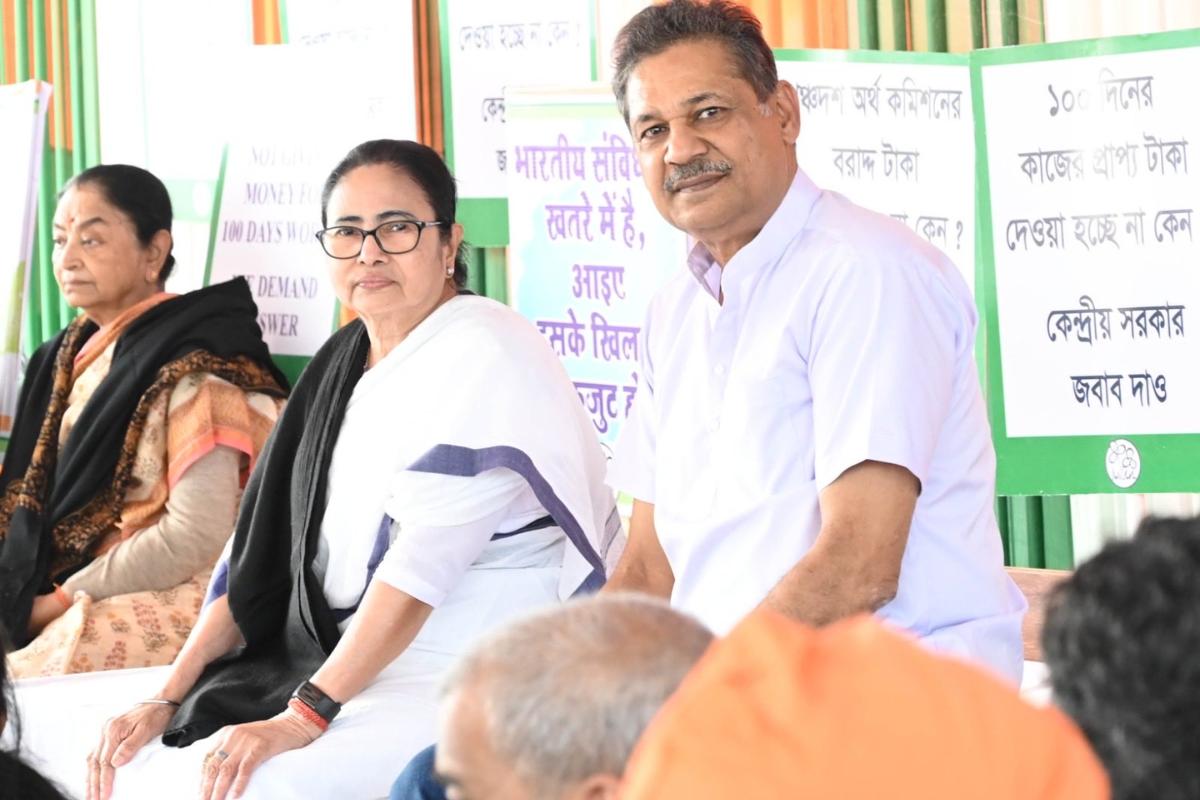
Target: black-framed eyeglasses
[{"x": 396, "y": 237}]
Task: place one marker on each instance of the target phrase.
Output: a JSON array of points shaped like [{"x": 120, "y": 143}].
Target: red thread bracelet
[{"x": 303, "y": 710}]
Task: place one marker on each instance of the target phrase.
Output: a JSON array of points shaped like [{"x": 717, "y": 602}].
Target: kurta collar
[{"x": 789, "y": 219}]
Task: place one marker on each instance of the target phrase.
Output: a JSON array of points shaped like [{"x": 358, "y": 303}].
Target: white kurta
[
  {"x": 433, "y": 448},
  {"x": 835, "y": 337}
]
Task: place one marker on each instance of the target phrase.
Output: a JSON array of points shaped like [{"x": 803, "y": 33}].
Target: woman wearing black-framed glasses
[{"x": 434, "y": 475}]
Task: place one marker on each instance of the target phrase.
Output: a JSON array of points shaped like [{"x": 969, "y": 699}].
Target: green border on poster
[
  {"x": 1063, "y": 464},
  {"x": 873, "y": 57},
  {"x": 485, "y": 219},
  {"x": 218, "y": 196}
]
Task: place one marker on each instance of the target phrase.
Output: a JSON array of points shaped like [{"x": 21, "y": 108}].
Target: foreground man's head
[{"x": 551, "y": 706}]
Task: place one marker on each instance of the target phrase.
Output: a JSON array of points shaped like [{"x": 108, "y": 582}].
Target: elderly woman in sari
[
  {"x": 136, "y": 428},
  {"x": 433, "y": 475}
]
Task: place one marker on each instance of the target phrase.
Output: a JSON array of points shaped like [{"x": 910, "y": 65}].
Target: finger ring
[{"x": 221, "y": 754}]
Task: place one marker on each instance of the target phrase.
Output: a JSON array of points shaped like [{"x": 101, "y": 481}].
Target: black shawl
[
  {"x": 55, "y": 503},
  {"x": 278, "y": 603}
]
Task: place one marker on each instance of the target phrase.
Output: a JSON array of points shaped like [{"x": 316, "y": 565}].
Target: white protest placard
[
  {"x": 380, "y": 33},
  {"x": 491, "y": 46},
  {"x": 589, "y": 249},
  {"x": 1093, "y": 197},
  {"x": 265, "y": 231},
  {"x": 306, "y": 119},
  {"x": 893, "y": 132},
  {"x": 23, "y": 109}
]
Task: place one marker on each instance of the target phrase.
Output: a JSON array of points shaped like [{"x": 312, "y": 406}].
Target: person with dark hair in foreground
[
  {"x": 1121, "y": 640},
  {"x": 18, "y": 780},
  {"x": 136, "y": 428},
  {"x": 433, "y": 475}
]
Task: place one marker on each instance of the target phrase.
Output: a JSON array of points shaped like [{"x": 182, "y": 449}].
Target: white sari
[{"x": 467, "y": 431}]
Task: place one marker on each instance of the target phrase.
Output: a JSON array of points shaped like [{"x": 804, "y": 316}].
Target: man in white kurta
[{"x": 809, "y": 430}]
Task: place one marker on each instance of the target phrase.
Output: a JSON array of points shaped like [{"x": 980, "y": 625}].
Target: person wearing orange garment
[{"x": 854, "y": 710}]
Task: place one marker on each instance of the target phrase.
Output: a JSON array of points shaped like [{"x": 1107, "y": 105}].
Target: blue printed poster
[{"x": 588, "y": 248}]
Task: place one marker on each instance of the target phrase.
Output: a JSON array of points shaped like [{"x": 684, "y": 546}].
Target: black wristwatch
[{"x": 325, "y": 706}]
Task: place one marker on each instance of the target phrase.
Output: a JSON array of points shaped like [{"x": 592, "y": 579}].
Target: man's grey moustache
[{"x": 706, "y": 170}]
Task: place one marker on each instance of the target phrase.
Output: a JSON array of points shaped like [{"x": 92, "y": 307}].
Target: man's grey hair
[
  {"x": 567, "y": 692},
  {"x": 658, "y": 27}
]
